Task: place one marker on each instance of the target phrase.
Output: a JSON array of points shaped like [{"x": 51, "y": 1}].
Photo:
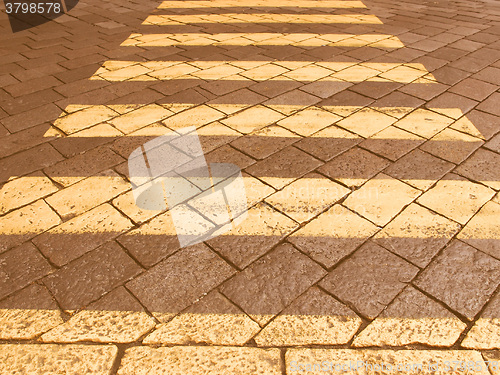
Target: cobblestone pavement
[{"x": 368, "y": 135}]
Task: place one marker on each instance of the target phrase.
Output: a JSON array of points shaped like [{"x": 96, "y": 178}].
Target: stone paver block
[
  {"x": 21, "y": 266},
  {"x": 417, "y": 234},
  {"x": 253, "y": 118},
  {"x": 354, "y": 167},
  {"x": 196, "y": 116},
  {"x": 56, "y": 359},
  {"x": 307, "y": 197},
  {"x": 424, "y": 123},
  {"x": 200, "y": 361},
  {"x": 485, "y": 334},
  {"x": 126, "y": 204},
  {"x": 412, "y": 318},
  {"x": 494, "y": 361},
  {"x": 87, "y": 194},
  {"x": 313, "y": 318},
  {"x": 25, "y": 223},
  {"x": 366, "y": 122},
  {"x": 309, "y": 121},
  {"x": 370, "y": 279},
  {"x": 392, "y": 143},
  {"x": 452, "y": 145},
  {"x": 328, "y": 143},
  {"x": 24, "y": 190},
  {"x": 268, "y": 285},
  {"x": 388, "y": 362},
  {"x": 456, "y": 198},
  {"x": 178, "y": 281},
  {"x": 478, "y": 124},
  {"x": 257, "y": 234},
  {"x": 419, "y": 169},
  {"x": 333, "y": 235},
  {"x": 462, "y": 277},
  {"x": 82, "y": 234},
  {"x": 91, "y": 276},
  {"x": 482, "y": 231},
  {"x": 140, "y": 118},
  {"x": 451, "y": 105},
  {"x": 283, "y": 167},
  {"x": 212, "y": 320},
  {"x": 84, "y": 119},
  {"x": 482, "y": 167},
  {"x": 381, "y": 199},
  {"x": 28, "y": 313},
  {"x": 116, "y": 317},
  {"x": 265, "y": 142},
  {"x": 490, "y": 105}
]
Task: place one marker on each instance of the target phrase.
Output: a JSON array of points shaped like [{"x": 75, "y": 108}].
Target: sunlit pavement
[{"x": 367, "y": 136}]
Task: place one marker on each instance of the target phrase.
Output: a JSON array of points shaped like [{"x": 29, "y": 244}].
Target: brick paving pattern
[{"x": 368, "y": 134}]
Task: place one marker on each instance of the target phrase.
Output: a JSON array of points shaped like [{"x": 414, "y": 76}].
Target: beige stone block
[
  {"x": 424, "y": 123},
  {"x": 314, "y": 318},
  {"x": 381, "y": 198},
  {"x": 346, "y": 361},
  {"x": 494, "y": 361},
  {"x": 366, "y": 122},
  {"x": 309, "y": 121},
  {"x": 84, "y": 119},
  {"x": 198, "y": 360},
  {"x": 140, "y": 118},
  {"x": 412, "y": 318},
  {"x": 253, "y": 118},
  {"x": 56, "y": 359},
  {"x": 456, "y": 198},
  {"x": 452, "y": 145},
  {"x": 197, "y": 116}
]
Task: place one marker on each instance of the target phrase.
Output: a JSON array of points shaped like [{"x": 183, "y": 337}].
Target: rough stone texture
[
  {"x": 333, "y": 235},
  {"x": 56, "y": 359},
  {"x": 200, "y": 361},
  {"x": 28, "y": 313},
  {"x": 257, "y": 234},
  {"x": 494, "y": 359},
  {"x": 412, "y": 318},
  {"x": 21, "y": 266},
  {"x": 371, "y": 361},
  {"x": 485, "y": 334},
  {"x": 179, "y": 280},
  {"x": 417, "y": 234},
  {"x": 25, "y": 223},
  {"x": 354, "y": 167},
  {"x": 306, "y": 198},
  {"x": 424, "y": 123},
  {"x": 456, "y": 198},
  {"x": 482, "y": 231},
  {"x": 116, "y": 317},
  {"x": 82, "y": 234},
  {"x": 483, "y": 167},
  {"x": 264, "y": 288},
  {"x": 381, "y": 199},
  {"x": 392, "y": 142},
  {"x": 461, "y": 277},
  {"x": 91, "y": 276},
  {"x": 313, "y": 318},
  {"x": 207, "y": 321},
  {"x": 370, "y": 279}
]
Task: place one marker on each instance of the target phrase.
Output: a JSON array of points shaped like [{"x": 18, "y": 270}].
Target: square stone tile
[
  {"x": 228, "y": 154},
  {"x": 482, "y": 167},
  {"x": 366, "y": 122},
  {"x": 328, "y": 143},
  {"x": 417, "y": 234},
  {"x": 392, "y": 142},
  {"x": 479, "y": 124},
  {"x": 256, "y": 235},
  {"x": 424, "y": 123},
  {"x": 313, "y": 318},
  {"x": 283, "y": 167},
  {"x": 490, "y": 105},
  {"x": 412, "y": 318},
  {"x": 333, "y": 235},
  {"x": 267, "y": 286},
  {"x": 461, "y": 277},
  {"x": 482, "y": 231},
  {"x": 253, "y": 118},
  {"x": 485, "y": 334},
  {"x": 451, "y": 105},
  {"x": 474, "y": 89},
  {"x": 456, "y": 198},
  {"x": 292, "y": 101},
  {"x": 309, "y": 121},
  {"x": 354, "y": 167},
  {"x": 381, "y": 199},
  {"x": 452, "y": 145},
  {"x": 370, "y": 279},
  {"x": 307, "y": 197},
  {"x": 397, "y": 104},
  {"x": 91, "y": 276},
  {"x": 265, "y": 142},
  {"x": 178, "y": 281},
  {"x": 419, "y": 169}
]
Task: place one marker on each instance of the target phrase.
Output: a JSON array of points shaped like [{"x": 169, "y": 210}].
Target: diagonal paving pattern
[{"x": 367, "y": 133}]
